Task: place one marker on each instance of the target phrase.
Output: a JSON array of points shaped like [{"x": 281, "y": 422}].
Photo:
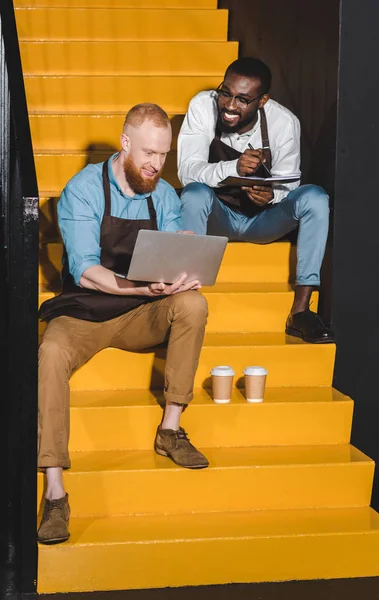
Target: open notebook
[{"x": 253, "y": 180}]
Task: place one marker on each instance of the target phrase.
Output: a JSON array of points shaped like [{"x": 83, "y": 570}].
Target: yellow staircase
[{"x": 285, "y": 496}]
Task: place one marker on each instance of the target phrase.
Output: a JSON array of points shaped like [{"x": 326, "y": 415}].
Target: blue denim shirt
[{"x": 81, "y": 209}]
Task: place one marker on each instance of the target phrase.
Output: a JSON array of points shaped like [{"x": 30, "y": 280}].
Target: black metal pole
[{"x": 19, "y": 324}]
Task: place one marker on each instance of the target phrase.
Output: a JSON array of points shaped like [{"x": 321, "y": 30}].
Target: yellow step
[
  {"x": 204, "y": 4},
  {"x": 72, "y": 94},
  {"x": 55, "y": 169},
  {"x": 86, "y": 132},
  {"x": 245, "y": 307},
  {"x": 201, "y": 549},
  {"x": 237, "y": 479},
  {"x": 290, "y": 362},
  {"x": 127, "y": 58},
  {"x": 126, "y": 24},
  {"x": 242, "y": 262},
  {"x": 287, "y": 417}
]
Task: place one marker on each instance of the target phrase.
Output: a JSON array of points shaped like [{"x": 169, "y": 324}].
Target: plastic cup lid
[
  {"x": 222, "y": 371},
  {"x": 255, "y": 371}
]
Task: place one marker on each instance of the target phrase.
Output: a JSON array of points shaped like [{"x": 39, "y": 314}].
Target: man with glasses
[{"x": 237, "y": 130}]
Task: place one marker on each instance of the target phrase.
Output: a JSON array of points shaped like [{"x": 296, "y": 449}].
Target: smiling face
[
  {"x": 234, "y": 115},
  {"x": 145, "y": 148}
]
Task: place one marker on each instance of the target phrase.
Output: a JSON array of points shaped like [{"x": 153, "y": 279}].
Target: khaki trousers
[{"x": 68, "y": 343}]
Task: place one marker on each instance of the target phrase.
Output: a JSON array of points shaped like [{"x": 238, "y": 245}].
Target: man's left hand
[{"x": 260, "y": 194}]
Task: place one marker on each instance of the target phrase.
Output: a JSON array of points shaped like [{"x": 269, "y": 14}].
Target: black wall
[
  {"x": 299, "y": 40},
  {"x": 356, "y": 248}
]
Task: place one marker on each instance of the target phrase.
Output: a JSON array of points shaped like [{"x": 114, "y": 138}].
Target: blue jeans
[{"x": 306, "y": 207}]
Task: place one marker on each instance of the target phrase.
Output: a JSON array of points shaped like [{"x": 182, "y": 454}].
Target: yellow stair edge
[
  {"x": 123, "y": 482},
  {"x": 288, "y": 416},
  {"x": 216, "y": 548}
]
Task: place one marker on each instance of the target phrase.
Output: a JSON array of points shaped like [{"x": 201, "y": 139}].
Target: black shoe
[{"x": 308, "y": 326}]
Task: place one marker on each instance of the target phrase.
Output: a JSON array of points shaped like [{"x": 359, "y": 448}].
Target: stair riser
[
  {"x": 180, "y": 491},
  {"x": 127, "y": 58},
  {"x": 55, "y": 170},
  {"x": 86, "y": 133},
  {"x": 249, "y": 312},
  {"x": 121, "y": 24},
  {"x": 204, "y": 4},
  {"x": 202, "y": 562},
  {"x": 255, "y": 263},
  {"x": 266, "y": 424},
  {"x": 113, "y": 94},
  {"x": 287, "y": 366}
]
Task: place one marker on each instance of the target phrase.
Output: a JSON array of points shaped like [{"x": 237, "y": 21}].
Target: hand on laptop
[
  {"x": 185, "y": 231},
  {"x": 164, "y": 289}
]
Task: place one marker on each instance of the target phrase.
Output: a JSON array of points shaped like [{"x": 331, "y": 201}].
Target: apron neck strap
[
  {"x": 107, "y": 189},
  {"x": 150, "y": 206},
  {"x": 265, "y": 139}
]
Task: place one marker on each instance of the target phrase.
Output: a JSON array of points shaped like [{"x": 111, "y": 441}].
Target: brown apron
[
  {"x": 230, "y": 195},
  {"x": 117, "y": 241}
]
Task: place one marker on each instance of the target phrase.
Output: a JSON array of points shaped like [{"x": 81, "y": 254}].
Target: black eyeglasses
[{"x": 239, "y": 100}]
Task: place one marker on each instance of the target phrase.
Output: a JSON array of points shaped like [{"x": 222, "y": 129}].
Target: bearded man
[
  {"x": 100, "y": 212},
  {"x": 238, "y": 131}
]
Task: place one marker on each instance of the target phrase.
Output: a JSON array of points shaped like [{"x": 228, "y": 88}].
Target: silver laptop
[{"x": 165, "y": 256}]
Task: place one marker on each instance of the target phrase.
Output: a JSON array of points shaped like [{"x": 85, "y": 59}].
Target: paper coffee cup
[
  {"x": 255, "y": 381},
  {"x": 222, "y": 383}
]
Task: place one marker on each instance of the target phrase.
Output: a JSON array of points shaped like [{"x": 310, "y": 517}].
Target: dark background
[
  {"x": 324, "y": 58},
  {"x": 356, "y": 235},
  {"x": 298, "y": 39}
]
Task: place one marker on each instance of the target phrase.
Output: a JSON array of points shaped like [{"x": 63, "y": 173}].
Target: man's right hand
[
  {"x": 163, "y": 289},
  {"x": 249, "y": 162}
]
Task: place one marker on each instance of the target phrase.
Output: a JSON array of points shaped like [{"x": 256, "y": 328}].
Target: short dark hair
[{"x": 248, "y": 66}]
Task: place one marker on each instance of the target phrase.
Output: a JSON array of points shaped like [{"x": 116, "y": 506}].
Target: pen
[{"x": 262, "y": 163}]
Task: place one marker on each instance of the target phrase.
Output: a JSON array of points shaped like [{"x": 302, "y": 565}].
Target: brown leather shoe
[
  {"x": 176, "y": 445},
  {"x": 54, "y": 524}
]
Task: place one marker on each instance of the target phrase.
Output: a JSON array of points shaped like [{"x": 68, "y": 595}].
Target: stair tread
[
  {"x": 145, "y": 398},
  {"x": 188, "y": 527},
  {"x": 220, "y": 458}
]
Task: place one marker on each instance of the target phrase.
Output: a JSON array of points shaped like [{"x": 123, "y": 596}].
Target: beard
[
  {"x": 138, "y": 183},
  {"x": 224, "y": 127}
]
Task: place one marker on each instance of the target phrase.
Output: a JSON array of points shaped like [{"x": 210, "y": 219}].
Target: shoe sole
[
  {"x": 164, "y": 453},
  {"x": 53, "y": 541},
  {"x": 296, "y": 333}
]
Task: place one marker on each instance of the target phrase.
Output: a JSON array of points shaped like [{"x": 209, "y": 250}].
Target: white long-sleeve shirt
[{"x": 198, "y": 131}]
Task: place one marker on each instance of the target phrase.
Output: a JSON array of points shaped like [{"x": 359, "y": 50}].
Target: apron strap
[
  {"x": 150, "y": 206},
  {"x": 265, "y": 139},
  {"x": 107, "y": 190}
]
